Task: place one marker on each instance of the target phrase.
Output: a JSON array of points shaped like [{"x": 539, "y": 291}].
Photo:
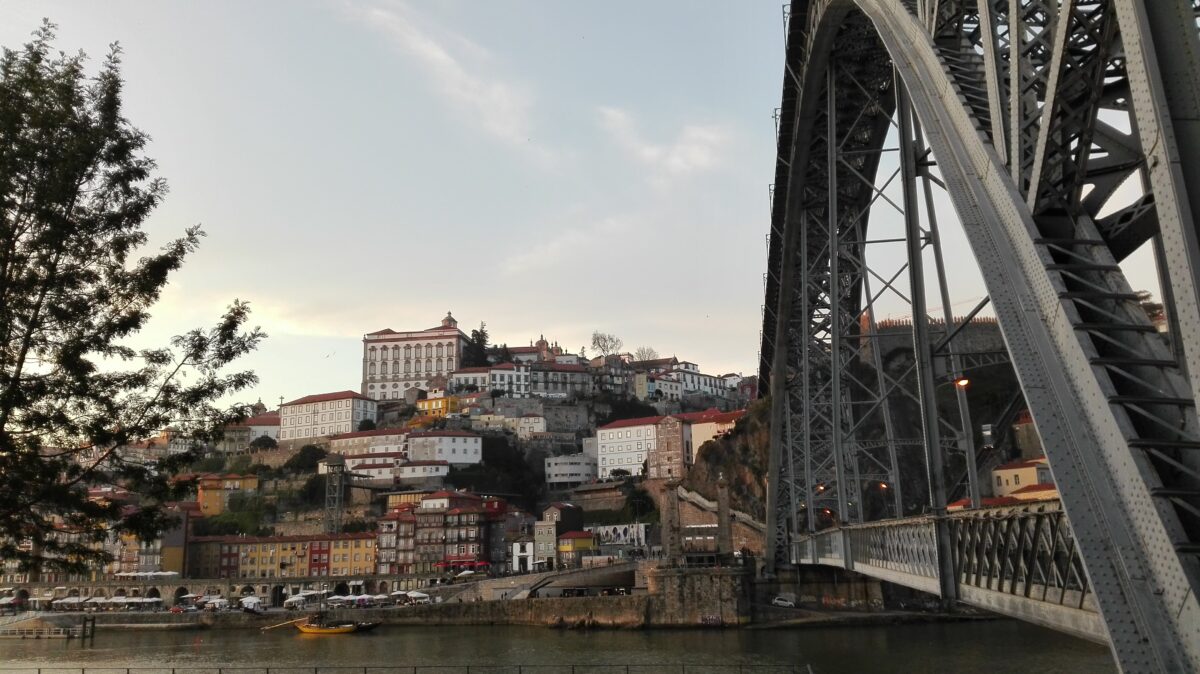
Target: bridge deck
[{"x": 1019, "y": 562}]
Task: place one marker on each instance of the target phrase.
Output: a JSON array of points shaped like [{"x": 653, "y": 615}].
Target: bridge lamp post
[{"x": 966, "y": 440}]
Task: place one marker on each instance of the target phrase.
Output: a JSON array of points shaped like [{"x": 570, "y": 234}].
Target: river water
[{"x": 991, "y": 646}]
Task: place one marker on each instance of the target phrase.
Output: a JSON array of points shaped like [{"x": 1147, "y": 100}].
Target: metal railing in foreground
[{"x": 661, "y": 668}]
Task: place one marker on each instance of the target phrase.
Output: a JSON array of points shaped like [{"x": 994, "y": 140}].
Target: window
[
  {"x": 1017, "y": 478},
  {"x": 999, "y": 481}
]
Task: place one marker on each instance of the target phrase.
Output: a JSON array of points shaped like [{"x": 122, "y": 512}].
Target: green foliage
[
  {"x": 366, "y": 425},
  {"x": 305, "y": 460},
  {"x": 76, "y": 287},
  {"x": 231, "y": 524},
  {"x": 504, "y": 355},
  {"x": 263, "y": 443},
  {"x": 475, "y": 349},
  {"x": 240, "y": 464},
  {"x": 639, "y": 507},
  {"x": 357, "y": 526},
  {"x": 619, "y": 472},
  {"x": 262, "y": 470},
  {"x": 625, "y": 407},
  {"x": 213, "y": 463},
  {"x": 504, "y": 470}
]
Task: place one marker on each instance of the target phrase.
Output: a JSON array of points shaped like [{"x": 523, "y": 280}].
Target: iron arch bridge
[{"x": 1066, "y": 134}]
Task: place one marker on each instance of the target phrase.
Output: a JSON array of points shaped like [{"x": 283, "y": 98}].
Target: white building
[
  {"x": 396, "y": 361},
  {"x": 379, "y": 469},
  {"x": 511, "y": 378},
  {"x": 521, "y": 557},
  {"x": 453, "y": 447},
  {"x": 356, "y": 461},
  {"x": 379, "y": 441},
  {"x": 528, "y": 424},
  {"x": 554, "y": 380},
  {"x": 695, "y": 382},
  {"x": 422, "y": 470},
  {"x": 319, "y": 416},
  {"x": 623, "y": 445},
  {"x": 477, "y": 377},
  {"x": 264, "y": 425},
  {"x": 570, "y": 470}
]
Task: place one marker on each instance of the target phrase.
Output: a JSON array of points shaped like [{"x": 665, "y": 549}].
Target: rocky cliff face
[{"x": 741, "y": 456}]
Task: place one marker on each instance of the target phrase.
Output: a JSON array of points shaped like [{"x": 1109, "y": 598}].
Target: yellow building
[
  {"x": 352, "y": 554},
  {"x": 1017, "y": 475},
  {"x": 397, "y": 499},
  {"x": 572, "y": 546},
  {"x": 438, "y": 407},
  {"x": 213, "y": 491}
]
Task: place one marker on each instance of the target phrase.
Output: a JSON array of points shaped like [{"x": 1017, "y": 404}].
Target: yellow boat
[
  {"x": 319, "y": 625},
  {"x": 341, "y": 628}
]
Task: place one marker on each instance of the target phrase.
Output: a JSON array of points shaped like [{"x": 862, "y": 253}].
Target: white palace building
[{"x": 396, "y": 361}]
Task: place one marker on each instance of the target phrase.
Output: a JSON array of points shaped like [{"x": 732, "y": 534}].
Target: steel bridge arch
[{"x": 1126, "y": 490}]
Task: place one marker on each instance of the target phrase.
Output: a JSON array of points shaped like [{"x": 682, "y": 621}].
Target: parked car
[{"x": 784, "y": 602}]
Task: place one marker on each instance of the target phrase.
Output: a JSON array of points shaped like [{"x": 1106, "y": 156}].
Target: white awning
[{"x": 4, "y": 601}]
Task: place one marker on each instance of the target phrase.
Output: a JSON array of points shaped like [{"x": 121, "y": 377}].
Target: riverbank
[{"x": 629, "y": 612}]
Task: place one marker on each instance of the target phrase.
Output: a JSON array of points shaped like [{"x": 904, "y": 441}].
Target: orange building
[{"x": 213, "y": 491}]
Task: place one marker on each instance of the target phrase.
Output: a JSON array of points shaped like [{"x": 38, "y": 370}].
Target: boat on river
[{"x": 318, "y": 624}]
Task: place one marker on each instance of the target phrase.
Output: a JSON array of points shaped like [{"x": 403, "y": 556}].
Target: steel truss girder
[{"x": 1031, "y": 164}]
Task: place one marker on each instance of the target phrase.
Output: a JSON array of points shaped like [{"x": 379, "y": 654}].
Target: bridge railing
[
  {"x": 1024, "y": 551},
  {"x": 1029, "y": 553}
]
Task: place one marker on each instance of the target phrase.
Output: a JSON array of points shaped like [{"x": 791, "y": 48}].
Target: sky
[{"x": 551, "y": 168}]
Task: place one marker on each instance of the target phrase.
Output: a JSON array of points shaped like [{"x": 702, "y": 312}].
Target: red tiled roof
[
  {"x": 1022, "y": 464},
  {"x": 468, "y": 510},
  {"x": 425, "y": 463},
  {"x": 366, "y": 434},
  {"x": 986, "y": 502},
  {"x": 371, "y": 466},
  {"x": 640, "y": 421},
  {"x": 576, "y": 534},
  {"x": 268, "y": 419},
  {"x": 385, "y": 331},
  {"x": 324, "y": 397},
  {"x": 711, "y": 415},
  {"x": 453, "y": 494},
  {"x": 470, "y": 370},
  {"x": 1040, "y": 487},
  {"x": 376, "y": 455},
  {"x": 523, "y": 349},
  {"x": 561, "y": 505}
]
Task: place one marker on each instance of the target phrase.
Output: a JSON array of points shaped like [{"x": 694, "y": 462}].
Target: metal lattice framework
[{"x": 1067, "y": 135}]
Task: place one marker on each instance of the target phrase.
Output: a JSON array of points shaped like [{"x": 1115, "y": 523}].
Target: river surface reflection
[{"x": 993, "y": 646}]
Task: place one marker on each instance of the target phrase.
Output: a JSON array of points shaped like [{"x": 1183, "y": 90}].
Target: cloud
[
  {"x": 563, "y": 248},
  {"x": 455, "y": 66},
  {"x": 697, "y": 148}
]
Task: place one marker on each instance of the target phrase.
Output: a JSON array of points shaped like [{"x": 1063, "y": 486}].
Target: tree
[
  {"x": 504, "y": 355},
  {"x": 214, "y": 463},
  {"x": 366, "y": 425},
  {"x": 645, "y": 353},
  {"x": 606, "y": 344},
  {"x": 305, "y": 460},
  {"x": 76, "y": 285},
  {"x": 619, "y": 472},
  {"x": 475, "y": 349},
  {"x": 263, "y": 443}
]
